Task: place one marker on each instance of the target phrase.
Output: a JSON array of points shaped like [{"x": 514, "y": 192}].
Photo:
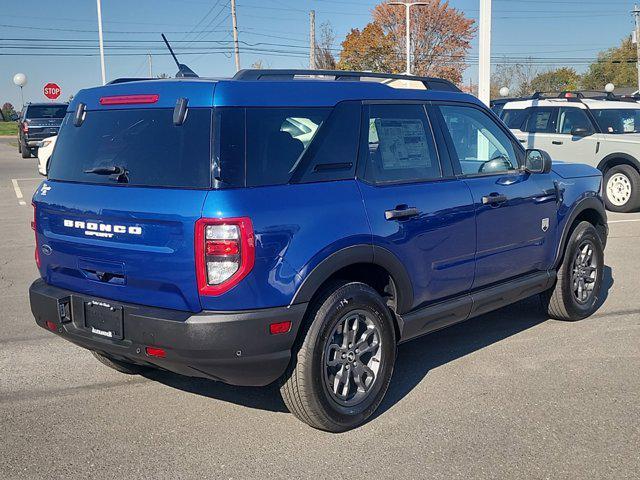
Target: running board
[{"x": 458, "y": 309}]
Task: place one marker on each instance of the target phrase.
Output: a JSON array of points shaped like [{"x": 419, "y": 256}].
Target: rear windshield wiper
[{"x": 121, "y": 172}]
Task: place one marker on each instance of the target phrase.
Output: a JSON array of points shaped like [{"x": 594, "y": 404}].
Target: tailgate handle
[
  {"x": 102, "y": 271},
  {"x": 105, "y": 277}
]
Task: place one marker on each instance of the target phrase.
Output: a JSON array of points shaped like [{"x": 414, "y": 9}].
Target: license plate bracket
[{"x": 104, "y": 319}]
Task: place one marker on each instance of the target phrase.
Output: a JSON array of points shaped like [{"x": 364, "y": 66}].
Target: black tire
[
  {"x": 561, "y": 301},
  {"x": 25, "y": 151},
  {"x": 119, "y": 365},
  {"x": 19, "y": 146},
  {"x": 304, "y": 386},
  {"x": 629, "y": 178}
]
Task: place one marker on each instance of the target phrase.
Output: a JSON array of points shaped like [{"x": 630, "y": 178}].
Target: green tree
[
  {"x": 8, "y": 110},
  {"x": 616, "y": 65},
  {"x": 557, "y": 80}
]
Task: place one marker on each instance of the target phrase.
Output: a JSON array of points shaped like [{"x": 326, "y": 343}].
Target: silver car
[{"x": 604, "y": 133}]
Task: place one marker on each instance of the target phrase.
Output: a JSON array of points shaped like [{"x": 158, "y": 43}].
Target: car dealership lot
[{"x": 509, "y": 394}]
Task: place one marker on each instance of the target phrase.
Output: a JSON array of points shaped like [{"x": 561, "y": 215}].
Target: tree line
[{"x": 441, "y": 40}]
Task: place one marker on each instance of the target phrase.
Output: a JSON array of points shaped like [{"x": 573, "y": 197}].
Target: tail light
[
  {"x": 225, "y": 253},
  {"x": 35, "y": 231},
  {"x": 25, "y": 127}
]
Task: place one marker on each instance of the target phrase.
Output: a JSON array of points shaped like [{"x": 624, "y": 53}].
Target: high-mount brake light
[
  {"x": 129, "y": 99},
  {"x": 225, "y": 253}
]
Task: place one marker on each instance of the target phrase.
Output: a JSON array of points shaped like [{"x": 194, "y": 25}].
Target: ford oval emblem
[{"x": 46, "y": 249}]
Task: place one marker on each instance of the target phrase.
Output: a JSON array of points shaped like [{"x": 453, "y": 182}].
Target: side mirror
[
  {"x": 580, "y": 132},
  {"x": 537, "y": 161},
  {"x": 14, "y": 117}
]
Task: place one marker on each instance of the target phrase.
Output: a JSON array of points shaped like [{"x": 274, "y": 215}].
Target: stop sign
[{"x": 52, "y": 91}]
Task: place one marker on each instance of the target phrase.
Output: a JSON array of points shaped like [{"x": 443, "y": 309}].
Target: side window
[
  {"x": 481, "y": 145},
  {"x": 571, "y": 118},
  {"x": 513, "y": 118},
  {"x": 276, "y": 138},
  {"x": 541, "y": 120},
  {"x": 400, "y": 145}
]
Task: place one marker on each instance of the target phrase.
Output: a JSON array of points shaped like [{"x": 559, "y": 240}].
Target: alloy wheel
[
  {"x": 352, "y": 358},
  {"x": 584, "y": 272}
]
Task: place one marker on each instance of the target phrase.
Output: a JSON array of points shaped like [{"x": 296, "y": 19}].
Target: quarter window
[
  {"x": 400, "y": 146},
  {"x": 481, "y": 145}
]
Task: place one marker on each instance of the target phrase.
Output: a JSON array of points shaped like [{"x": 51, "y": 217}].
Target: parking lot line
[
  {"x": 16, "y": 188},
  {"x": 625, "y": 221}
]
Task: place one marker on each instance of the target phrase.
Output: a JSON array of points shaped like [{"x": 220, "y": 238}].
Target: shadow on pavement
[{"x": 415, "y": 358}]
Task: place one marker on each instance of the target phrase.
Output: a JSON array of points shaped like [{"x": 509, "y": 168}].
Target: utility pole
[
  {"x": 104, "y": 75},
  {"x": 236, "y": 47},
  {"x": 484, "y": 66},
  {"x": 636, "y": 14},
  {"x": 150, "y": 65},
  {"x": 407, "y": 40},
  {"x": 312, "y": 40}
]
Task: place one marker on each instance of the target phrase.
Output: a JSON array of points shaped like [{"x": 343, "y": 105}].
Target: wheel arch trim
[
  {"x": 588, "y": 203},
  {"x": 353, "y": 255},
  {"x": 627, "y": 160}
]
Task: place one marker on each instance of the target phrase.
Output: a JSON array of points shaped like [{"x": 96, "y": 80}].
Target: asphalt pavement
[{"x": 511, "y": 394}]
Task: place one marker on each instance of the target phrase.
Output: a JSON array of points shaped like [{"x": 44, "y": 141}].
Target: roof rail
[
  {"x": 341, "y": 75},
  {"x": 129, "y": 79}
]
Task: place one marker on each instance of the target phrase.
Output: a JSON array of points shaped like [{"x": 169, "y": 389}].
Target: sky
[{"x": 552, "y": 32}]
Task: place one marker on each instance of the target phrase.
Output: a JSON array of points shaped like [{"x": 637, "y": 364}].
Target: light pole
[
  {"x": 407, "y": 6},
  {"x": 484, "y": 50},
  {"x": 20, "y": 79},
  {"x": 104, "y": 76}
]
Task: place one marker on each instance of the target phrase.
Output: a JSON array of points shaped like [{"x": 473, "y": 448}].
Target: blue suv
[{"x": 296, "y": 226}]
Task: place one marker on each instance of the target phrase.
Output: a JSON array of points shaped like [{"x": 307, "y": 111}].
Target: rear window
[
  {"x": 46, "y": 111},
  {"x": 143, "y": 142}
]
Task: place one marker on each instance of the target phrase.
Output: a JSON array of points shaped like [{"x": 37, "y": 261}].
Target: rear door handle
[
  {"x": 493, "y": 199},
  {"x": 401, "y": 212},
  {"x": 556, "y": 142}
]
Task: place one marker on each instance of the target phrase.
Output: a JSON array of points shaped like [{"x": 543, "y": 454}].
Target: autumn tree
[
  {"x": 557, "y": 80},
  {"x": 440, "y": 40},
  {"x": 616, "y": 65},
  {"x": 369, "y": 50}
]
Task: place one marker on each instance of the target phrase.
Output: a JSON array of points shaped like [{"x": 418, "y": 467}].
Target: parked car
[
  {"x": 184, "y": 227},
  {"x": 45, "y": 149},
  {"x": 603, "y": 132},
  {"x": 37, "y": 122}
]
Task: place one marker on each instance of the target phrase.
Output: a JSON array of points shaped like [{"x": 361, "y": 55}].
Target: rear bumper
[{"x": 232, "y": 347}]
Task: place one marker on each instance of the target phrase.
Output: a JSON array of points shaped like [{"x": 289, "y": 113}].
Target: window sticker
[{"x": 403, "y": 143}]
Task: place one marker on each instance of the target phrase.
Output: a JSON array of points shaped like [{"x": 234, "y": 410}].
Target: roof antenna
[{"x": 183, "y": 70}]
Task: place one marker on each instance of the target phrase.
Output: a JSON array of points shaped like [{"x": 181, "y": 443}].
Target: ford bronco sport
[
  {"x": 278, "y": 226},
  {"x": 602, "y": 130}
]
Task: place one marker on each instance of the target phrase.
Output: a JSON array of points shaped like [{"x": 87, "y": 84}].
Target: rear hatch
[
  {"x": 44, "y": 120},
  {"x": 116, "y": 218}
]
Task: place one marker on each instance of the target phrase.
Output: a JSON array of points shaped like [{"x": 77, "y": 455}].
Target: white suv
[{"x": 604, "y": 133}]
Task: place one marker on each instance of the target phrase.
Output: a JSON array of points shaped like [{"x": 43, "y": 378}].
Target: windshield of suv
[
  {"x": 139, "y": 147},
  {"x": 618, "y": 120},
  {"x": 46, "y": 111}
]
